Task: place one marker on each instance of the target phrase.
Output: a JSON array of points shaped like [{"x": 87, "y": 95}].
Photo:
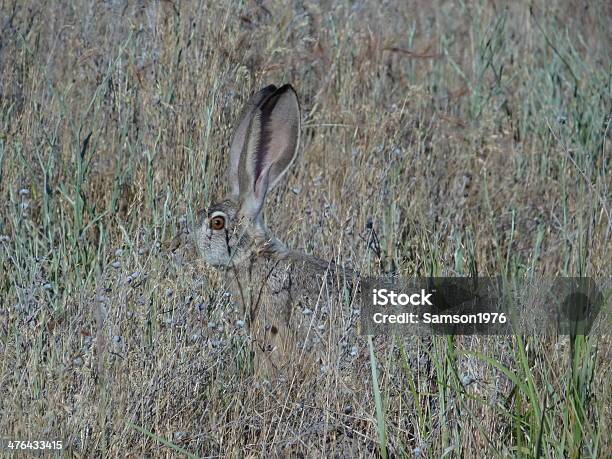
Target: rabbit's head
[{"x": 263, "y": 147}]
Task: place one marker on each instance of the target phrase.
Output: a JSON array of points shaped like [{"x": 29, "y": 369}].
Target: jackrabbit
[{"x": 282, "y": 292}]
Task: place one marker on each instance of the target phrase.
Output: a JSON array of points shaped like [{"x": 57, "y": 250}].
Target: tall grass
[{"x": 438, "y": 138}]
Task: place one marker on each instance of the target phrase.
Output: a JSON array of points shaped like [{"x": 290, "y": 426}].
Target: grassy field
[{"x": 450, "y": 138}]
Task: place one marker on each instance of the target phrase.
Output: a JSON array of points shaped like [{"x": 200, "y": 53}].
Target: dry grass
[{"x": 467, "y": 137}]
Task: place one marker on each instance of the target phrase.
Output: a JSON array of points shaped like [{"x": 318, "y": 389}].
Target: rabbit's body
[
  {"x": 285, "y": 298},
  {"x": 280, "y": 291}
]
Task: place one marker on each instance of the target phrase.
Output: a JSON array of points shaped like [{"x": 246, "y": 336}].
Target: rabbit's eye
[{"x": 217, "y": 223}]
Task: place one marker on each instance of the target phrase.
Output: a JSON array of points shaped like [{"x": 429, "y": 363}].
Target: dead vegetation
[{"x": 437, "y": 138}]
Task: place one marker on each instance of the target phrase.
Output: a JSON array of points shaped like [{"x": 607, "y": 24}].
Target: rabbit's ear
[
  {"x": 271, "y": 147},
  {"x": 240, "y": 134}
]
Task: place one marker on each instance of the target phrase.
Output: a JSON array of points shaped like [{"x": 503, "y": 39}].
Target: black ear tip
[
  {"x": 284, "y": 88},
  {"x": 270, "y": 102},
  {"x": 269, "y": 88}
]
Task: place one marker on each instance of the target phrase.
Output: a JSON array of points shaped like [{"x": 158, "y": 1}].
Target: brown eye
[{"x": 217, "y": 223}]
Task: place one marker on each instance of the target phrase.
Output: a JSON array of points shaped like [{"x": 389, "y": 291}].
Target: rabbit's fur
[{"x": 278, "y": 289}]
